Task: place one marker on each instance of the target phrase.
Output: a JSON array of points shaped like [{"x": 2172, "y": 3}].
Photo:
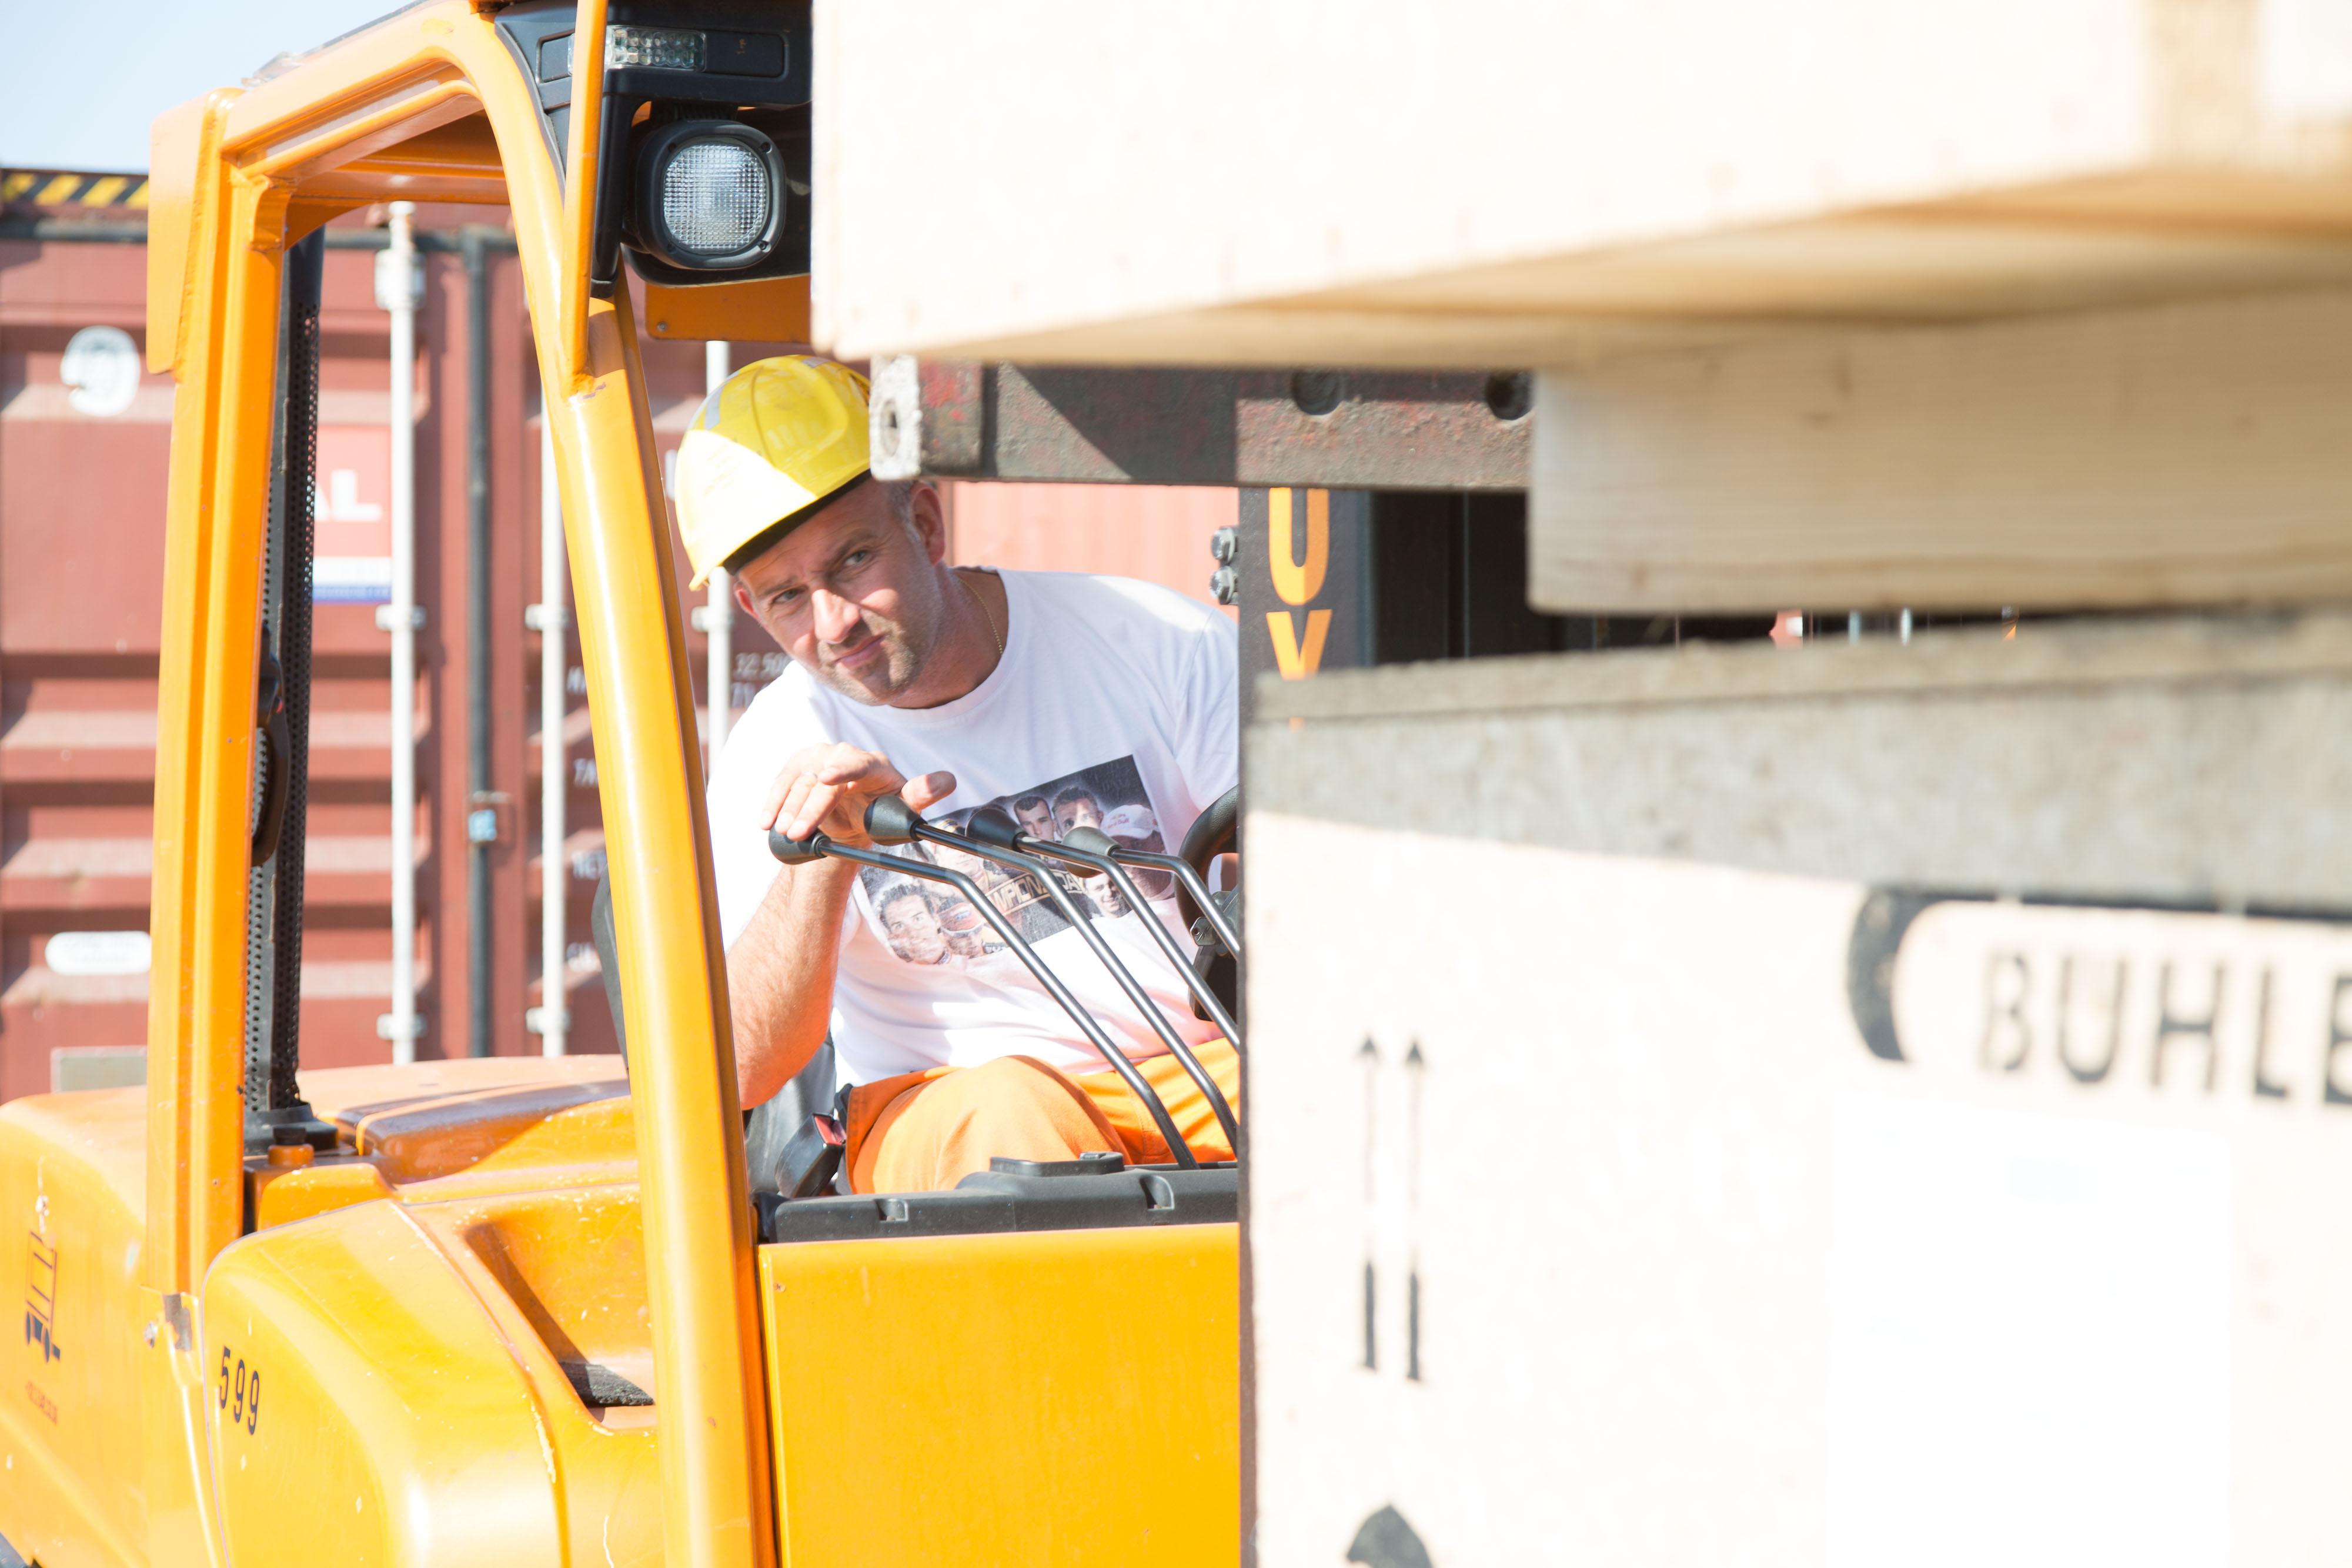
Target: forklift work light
[
  {"x": 710, "y": 195},
  {"x": 656, "y": 48}
]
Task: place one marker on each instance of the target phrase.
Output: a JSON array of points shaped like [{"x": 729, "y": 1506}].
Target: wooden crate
[
  {"x": 1494, "y": 184},
  {"x": 1809, "y": 1106}
]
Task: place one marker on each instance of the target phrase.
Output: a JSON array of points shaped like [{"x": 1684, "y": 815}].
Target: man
[
  {"x": 969, "y": 937},
  {"x": 1076, "y": 807},
  {"x": 1109, "y": 899},
  {"x": 1014, "y": 894},
  {"x": 1135, "y": 828},
  {"x": 911, "y": 926},
  {"x": 953, "y": 688},
  {"x": 1036, "y": 818}
]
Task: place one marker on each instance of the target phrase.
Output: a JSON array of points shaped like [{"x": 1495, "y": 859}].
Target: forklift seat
[{"x": 768, "y": 1128}]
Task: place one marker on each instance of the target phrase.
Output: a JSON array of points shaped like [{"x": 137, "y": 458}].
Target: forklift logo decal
[
  {"x": 2133, "y": 999},
  {"x": 41, "y": 1298},
  {"x": 1298, "y": 581},
  {"x": 926, "y": 923}
]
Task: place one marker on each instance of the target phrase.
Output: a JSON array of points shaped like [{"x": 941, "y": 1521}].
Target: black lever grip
[
  {"x": 890, "y": 820},
  {"x": 796, "y": 851},
  {"x": 1090, "y": 841},
  {"x": 991, "y": 826}
]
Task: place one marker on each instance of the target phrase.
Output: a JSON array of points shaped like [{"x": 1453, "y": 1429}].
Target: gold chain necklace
[{"x": 981, "y": 605}]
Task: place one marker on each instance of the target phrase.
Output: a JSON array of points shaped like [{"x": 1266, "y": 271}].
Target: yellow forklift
[{"x": 534, "y": 1311}]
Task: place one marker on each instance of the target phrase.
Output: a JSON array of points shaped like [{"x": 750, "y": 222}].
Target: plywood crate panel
[{"x": 1842, "y": 1106}]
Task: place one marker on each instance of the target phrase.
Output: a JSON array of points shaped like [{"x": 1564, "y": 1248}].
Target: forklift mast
[{"x": 444, "y": 102}]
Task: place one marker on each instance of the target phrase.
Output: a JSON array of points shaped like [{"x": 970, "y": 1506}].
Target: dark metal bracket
[{"x": 958, "y": 419}]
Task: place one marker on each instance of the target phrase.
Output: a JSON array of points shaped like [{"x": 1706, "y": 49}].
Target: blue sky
[{"x": 78, "y": 83}]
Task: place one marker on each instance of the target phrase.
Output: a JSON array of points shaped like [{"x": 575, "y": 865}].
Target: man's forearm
[{"x": 780, "y": 976}]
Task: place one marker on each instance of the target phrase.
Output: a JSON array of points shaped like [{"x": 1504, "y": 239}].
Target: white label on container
[
  {"x": 2131, "y": 1005},
  {"x": 80, "y": 953},
  {"x": 100, "y": 370},
  {"x": 353, "y": 507},
  {"x": 352, "y": 579}
]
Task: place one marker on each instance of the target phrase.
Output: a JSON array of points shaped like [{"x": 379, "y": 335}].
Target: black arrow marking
[
  {"x": 1414, "y": 1068},
  {"x": 1386, "y": 1540},
  {"x": 1370, "y": 1057}
]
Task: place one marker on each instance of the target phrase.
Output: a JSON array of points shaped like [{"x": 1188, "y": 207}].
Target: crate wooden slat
[
  {"x": 1502, "y": 184},
  {"x": 2187, "y": 454}
]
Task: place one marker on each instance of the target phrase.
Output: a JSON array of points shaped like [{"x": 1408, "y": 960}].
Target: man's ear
[
  {"x": 930, "y": 520},
  {"x": 743, "y": 599}
]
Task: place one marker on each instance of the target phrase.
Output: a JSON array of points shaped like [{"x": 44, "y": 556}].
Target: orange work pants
[{"x": 925, "y": 1132}]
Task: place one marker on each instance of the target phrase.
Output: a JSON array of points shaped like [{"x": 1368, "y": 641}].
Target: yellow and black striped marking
[{"x": 67, "y": 190}]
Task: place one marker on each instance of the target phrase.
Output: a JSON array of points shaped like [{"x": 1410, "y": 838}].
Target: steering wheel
[{"x": 1216, "y": 831}]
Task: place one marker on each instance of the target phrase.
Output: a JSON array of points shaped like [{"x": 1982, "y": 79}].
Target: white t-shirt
[{"x": 1113, "y": 704}]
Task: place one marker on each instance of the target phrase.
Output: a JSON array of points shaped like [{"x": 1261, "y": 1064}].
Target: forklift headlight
[
  {"x": 657, "y": 49},
  {"x": 710, "y": 195}
]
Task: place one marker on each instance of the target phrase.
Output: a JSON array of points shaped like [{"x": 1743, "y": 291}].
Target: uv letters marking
[{"x": 1298, "y": 581}]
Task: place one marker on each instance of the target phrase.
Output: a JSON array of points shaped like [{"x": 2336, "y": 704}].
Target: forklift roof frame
[{"x": 429, "y": 104}]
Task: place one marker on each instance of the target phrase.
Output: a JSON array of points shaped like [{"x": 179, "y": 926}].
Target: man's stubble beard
[{"x": 905, "y": 651}]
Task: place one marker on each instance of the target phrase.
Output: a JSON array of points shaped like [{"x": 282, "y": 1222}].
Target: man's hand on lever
[
  {"x": 780, "y": 971},
  {"x": 827, "y": 789}
]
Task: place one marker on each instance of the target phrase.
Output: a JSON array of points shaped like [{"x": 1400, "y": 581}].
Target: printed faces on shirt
[{"x": 931, "y": 923}]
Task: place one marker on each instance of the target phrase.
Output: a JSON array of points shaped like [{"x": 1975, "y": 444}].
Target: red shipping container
[{"x": 82, "y": 523}]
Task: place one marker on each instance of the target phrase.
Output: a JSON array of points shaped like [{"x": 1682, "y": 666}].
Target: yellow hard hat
[{"x": 779, "y": 438}]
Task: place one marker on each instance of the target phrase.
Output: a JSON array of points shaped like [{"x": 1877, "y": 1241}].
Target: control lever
[
  {"x": 1193, "y": 885},
  {"x": 991, "y": 833},
  {"x": 1090, "y": 849},
  {"x": 801, "y": 851},
  {"x": 891, "y": 820}
]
